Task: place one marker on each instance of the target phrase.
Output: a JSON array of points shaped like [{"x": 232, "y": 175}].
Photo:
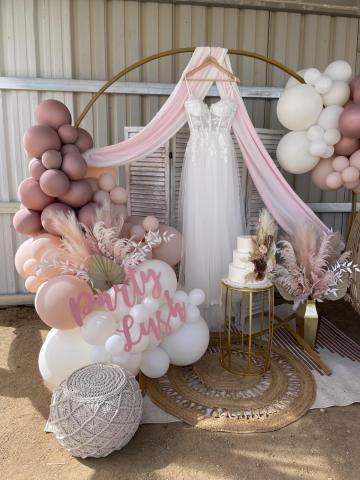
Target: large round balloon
[
  {"x": 74, "y": 166},
  {"x": 52, "y": 113},
  {"x": 292, "y": 81},
  {"x": 169, "y": 252},
  {"x": 338, "y": 95},
  {"x": 63, "y": 352},
  {"x": 52, "y": 301},
  {"x": 38, "y": 139},
  {"x": 27, "y": 221},
  {"x": 163, "y": 272},
  {"x": 349, "y": 122},
  {"x": 293, "y": 153},
  {"x": 299, "y": 107},
  {"x": 84, "y": 140},
  {"x": 320, "y": 173},
  {"x": 187, "y": 344},
  {"x": 79, "y": 193},
  {"x": 48, "y": 214},
  {"x": 54, "y": 182},
  {"x": 31, "y": 195},
  {"x": 155, "y": 363},
  {"x": 329, "y": 117}
]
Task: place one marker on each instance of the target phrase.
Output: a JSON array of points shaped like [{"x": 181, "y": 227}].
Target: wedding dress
[{"x": 211, "y": 202}]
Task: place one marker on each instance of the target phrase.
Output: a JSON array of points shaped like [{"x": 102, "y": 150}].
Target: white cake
[{"x": 241, "y": 265}]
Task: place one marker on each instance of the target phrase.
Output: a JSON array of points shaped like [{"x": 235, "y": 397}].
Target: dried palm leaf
[{"x": 104, "y": 273}]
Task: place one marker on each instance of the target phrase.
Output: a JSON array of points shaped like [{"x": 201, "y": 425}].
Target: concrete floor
[{"x": 319, "y": 446}]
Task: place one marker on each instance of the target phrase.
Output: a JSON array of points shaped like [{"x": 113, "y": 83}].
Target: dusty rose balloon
[
  {"x": 118, "y": 195},
  {"x": 96, "y": 172},
  {"x": 51, "y": 159},
  {"x": 106, "y": 182},
  {"x": 69, "y": 148},
  {"x": 350, "y": 174},
  {"x": 334, "y": 180},
  {"x": 349, "y": 121},
  {"x": 93, "y": 183},
  {"x": 356, "y": 93},
  {"x": 355, "y": 82},
  {"x": 74, "y": 166},
  {"x": 320, "y": 172},
  {"x": 52, "y": 301},
  {"x": 54, "y": 183},
  {"x": 125, "y": 231},
  {"x": 340, "y": 163},
  {"x": 49, "y": 213},
  {"x": 135, "y": 220},
  {"x": 40, "y": 138},
  {"x": 355, "y": 159},
  {"x": 169, "y": 252},
  {"x": 31, "y": 195},
  {"x": 23, "y": 253},
  {"x": 68, "y": 133},
  {"x": 137, "y": 232},
  {"x": 78, "y": 194},
  {"x": 346, "y": 146},
  {"x": 32, "y": 283},
  {"x": 150, "y": 223},
  {"x": 351, "y": 185},
  {"x": 27, "y": 221},
  {"x": 87, "y": 214},
  {"x": 52, "y": 113},
  {"x": 36, "y": 168},
  {"x": 84, "y": 141},
  {"x": 101, "y": 197}
]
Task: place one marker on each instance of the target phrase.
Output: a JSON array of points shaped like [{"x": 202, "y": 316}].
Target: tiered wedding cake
[{"x": 241, "y": 265}]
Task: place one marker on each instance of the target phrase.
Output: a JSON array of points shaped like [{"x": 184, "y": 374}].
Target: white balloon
[
  {"x": 99, "y": 354},
  {"x": 293, "y": 153},
  {"x": 192, "y": 313},
  {"x": 339, "y": 70},
  {"x": 121, "y": 309},
  {"x": 188, "y": 344},
  {"x": 338, "y": 95},
  {"x": 98, "y": 327},
  {"x": 129, "y": 361},
  {"x": 115, "y": 344},
  {"x": 292, "y": 81},
  {"x": 299, "y": 107},
  {"x": 332, "y": 136},
  {"x": 197, "y": 296},
  {"x": 323, "y": 84},
  {"x": 139, "y": 313},
  {"x": 143, "y": 344},
  {"x": 154, "y": 341},
  {"x": 329, "y": 117},
  {"x": 181, "y": 297},
  {"x": 168, "y": 278},
  {"x": 63, "y": 352},
  {"x": 315, "y": 133},
  {"x": 175, "y": 322},
  {"x": 312, "y": 75},
  {"x": 152, "y": 304},
  {"x": 329, "y": 152},
  {"x": 318, "y": 147},
  {"x": 155, "y": 363}
]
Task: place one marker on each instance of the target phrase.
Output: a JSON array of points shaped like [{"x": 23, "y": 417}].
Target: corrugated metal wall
[{"x": 94, "y": 39}]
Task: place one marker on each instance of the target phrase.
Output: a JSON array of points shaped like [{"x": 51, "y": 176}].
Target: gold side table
[{"x": 247, "y": 350}]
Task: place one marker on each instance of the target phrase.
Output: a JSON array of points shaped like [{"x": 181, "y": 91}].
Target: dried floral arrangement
[
  {"x": 264, "y": 245},
  {"x": 99, "y": 254},
  {"x": 311, "y": 266}
]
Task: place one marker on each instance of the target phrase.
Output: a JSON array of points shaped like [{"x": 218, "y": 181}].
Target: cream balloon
[
  {"x": 98, "y": 327},
  {"x": 329, "y": 117},
  {"x": 338, "y": 95},
  {"x": 155, "y": 363},
  {"x": 312, "y": 75},
  {"x": 323, "y": 84},
  {"x": 292, "y": 81},
  {"x": 339, "y": 70},
  {"x": 293, "y": 153},
  {"x": 299, "y": 107},
  {"x": 99, "y": 354},
  {"x": 129, "y": 361}
]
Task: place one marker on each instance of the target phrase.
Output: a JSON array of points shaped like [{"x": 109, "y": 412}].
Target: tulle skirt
[{"x": 212, "y": 216}]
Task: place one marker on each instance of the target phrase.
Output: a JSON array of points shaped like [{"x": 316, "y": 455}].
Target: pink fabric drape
[{"x": 280, "y": 199}]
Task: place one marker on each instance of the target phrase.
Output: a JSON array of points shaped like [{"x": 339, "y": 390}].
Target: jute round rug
[{"x": 207, "y": 396}]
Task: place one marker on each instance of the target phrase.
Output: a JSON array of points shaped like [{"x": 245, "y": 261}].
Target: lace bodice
[{"x": 206, "y": 120}]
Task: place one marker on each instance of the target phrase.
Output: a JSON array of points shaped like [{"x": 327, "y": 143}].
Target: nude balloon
[
  {"x": 320, "y": 172},
  {"x": 346, "y": 146},
  {"x": 340, "y": 163},
  {"x": 68, "y": 133},
  {"x": 52, "y": 113},
  {"x": 52, "y": 301},
  {"x": 32, "y": 283},
  {"x": 51, "y": 159},
  {"x": 36, "y": 168},
  {"x": 31, "y": 195},
  {"x": 169, "y": 252},
  {"x": 355, "y": 159},
  {"x": 23, "y": 253},
  {"x": 87, "y": 214},
  {"x": 38, "y": 139},
  {"x": 84, "y": 141},
  {"x": 349, "y": 122},
  {"x": 54, "y": 183},
  {"x": 334, "y": 180},
  {"x": 27, "y": 221},
  {"x": 49, "y": 213},
  {"x": 74, "y": 166},
  {"x": 137, "y": 232},
  {"x": 78, "y": 195},
  {"x": 43, "y": 243},
  {"x": 96, "y": 172},
  {"x": 350, "y": 174}
]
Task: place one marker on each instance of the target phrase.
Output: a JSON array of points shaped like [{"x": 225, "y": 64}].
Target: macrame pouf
[{"x": 96, "y": 410}]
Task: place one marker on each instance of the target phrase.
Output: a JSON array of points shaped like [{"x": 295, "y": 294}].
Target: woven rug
[{"x": 207, "y": 396}]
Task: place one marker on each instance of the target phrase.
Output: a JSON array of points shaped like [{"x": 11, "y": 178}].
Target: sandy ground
[{"x": 320, "y": 446}]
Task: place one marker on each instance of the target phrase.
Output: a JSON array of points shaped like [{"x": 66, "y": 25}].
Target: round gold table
[{"x": 245, "y": 349}]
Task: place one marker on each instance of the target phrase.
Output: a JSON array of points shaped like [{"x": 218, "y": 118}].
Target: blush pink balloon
[
  {"x": 150, "y": 223},
  {"x": 33, "y": 283},
  {"x": 355, "y": 159},
  {"x": 23, "y": 253},
  {"x": 169, "y": 252},
  {"x": 52, "y": 113},
  {"x": 350, "y": 174},
  {"x": 78, "y": 195},
  {"x": 36, "y": 168},
  {"x": 334, "y": 180},
  {"x": 27, "y": 221},
  {"x": 349, "y": 121},
  {"x": 100, "y": 197},
  {"x": 42, "y": 243},
  {"x": 137, "y": 232},
  {"x": 54, "y": 183},
  {"x": 31, "y": 195},
  {"x": 30, "y": 266},
  {"x": 68, "y": 133},
  {"x": 49, "y": 213},
  {"x": 51, "y": 159},
  {"x": 87, "y": 214},
  {"x": 339, "y": 163},
  {"x": 84, "y": 141},
  {"x": 74, "y": 166},
  {"x": 118, "y": 195},
  {"x": 320, "y": 172},
  {"x": 40, "y": 138},
  {"x": 52, "y": 301},
  {"x": 69, "y": 148}
]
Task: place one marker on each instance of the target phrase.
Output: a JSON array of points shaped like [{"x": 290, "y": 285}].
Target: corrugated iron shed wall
[{"x": 94, "y": 39}]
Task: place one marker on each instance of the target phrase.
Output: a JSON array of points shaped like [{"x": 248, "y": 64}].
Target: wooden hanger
[{"x": 210, "y": 60}]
